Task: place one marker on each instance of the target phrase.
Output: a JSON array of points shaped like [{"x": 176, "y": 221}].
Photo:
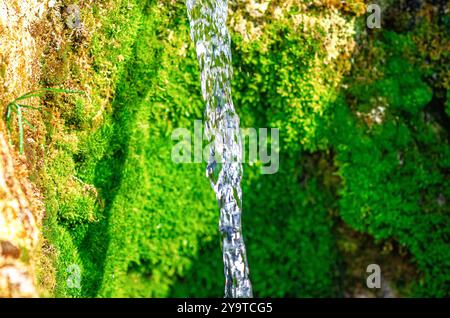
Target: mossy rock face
[
  {"x": 118, "y": 208},
  {"x": 392, "y": 158},
  {"x": 363, "y": 149}
]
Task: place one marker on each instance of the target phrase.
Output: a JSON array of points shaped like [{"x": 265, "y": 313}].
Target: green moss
[
  {"x": 115, "y": 233},
  {"x": 288, "y": 234},
  {"x": 393, "y": 173},
  {"x": 73, "y": 148},
  {"x": 138, "y": 224}
]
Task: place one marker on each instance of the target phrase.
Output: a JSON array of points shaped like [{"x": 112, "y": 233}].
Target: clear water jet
[{"x": 224, "y": 169}]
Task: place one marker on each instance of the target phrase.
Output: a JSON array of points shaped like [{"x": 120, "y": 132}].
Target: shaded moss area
[
  {"x": 288, "y": 231},
  {"x": 364, "y": 155}
]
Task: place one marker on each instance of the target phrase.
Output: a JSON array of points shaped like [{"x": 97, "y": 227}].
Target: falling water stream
[{"x": 224, "y": 169}]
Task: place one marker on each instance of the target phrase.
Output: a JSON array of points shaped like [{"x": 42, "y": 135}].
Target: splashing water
[{"x": 209, "y": 33}]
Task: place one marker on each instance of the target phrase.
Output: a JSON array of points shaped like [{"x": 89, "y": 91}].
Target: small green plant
[{"x": 17, "y": 105}]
